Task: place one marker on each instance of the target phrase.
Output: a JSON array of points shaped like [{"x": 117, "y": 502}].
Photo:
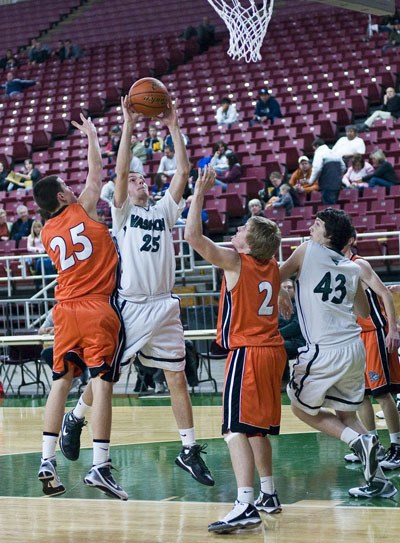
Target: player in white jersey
[
  {"x": 329, "y": 371},
  {"x": 150, "y": 312}
]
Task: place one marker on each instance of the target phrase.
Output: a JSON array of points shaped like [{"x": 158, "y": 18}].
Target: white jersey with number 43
[
  {"x": 325, "y": 291},
  {"x": 145, "y": 246}
]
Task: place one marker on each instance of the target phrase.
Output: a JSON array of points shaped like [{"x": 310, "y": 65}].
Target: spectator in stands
[
  {"x": 3, "y": 175},
  {"x": 69, "y": 50},
  {"x": 350, "y": 144},
  {"x": 300, "y": 177},
  {"x": 30, "y": 174},
  {"x": 383, "y": 174},
  {"x": 219, "y": 160},
  {"x": 226, "y": 113},
  {"x": 168, "y": 164},
  {"x": 168, "y": 140},
  {"x": 108, "y": 189},
  {"x": 153, "y": 143},
  {"x": 270, "y": 194},
  {"x": 284, "y": 200},
  {"x": 161, "y": 184},
  {"x": 136, "y": 165},
  {"x": 38, "y": 52},
  {"x": 14, "y": 87},
  {"x": 112, "y": 146},
  {"x": 290, "y": 329},
  {"x": 394, "y": 37},
  {"x": 204, "y": 214},
  {"x": 390, "y": 108},
  {"x": 357, "y": 169},
  {"x": 234, "y": 172},
  {"x": 328, "y": 169},
  {"x": 255, "y": 210},
  {"x": 9, "y": 61},
  {"x": 205, "y": 33},
  {"x": 21, "y": 228},
  {"x": 138, "y": 149},
  {"x": 4, "y": 229},
  {"x": 267, "y": 108}
]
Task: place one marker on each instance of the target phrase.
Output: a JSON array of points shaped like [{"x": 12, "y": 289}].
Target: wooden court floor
[{"x": 166, "y": 505}]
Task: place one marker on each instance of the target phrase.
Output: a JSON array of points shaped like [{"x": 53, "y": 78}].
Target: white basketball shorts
[
  {"x": 328, "y": 377},
  {"x": 154, "y": 332}
]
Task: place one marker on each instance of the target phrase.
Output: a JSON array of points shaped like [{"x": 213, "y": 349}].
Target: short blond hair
[
  {"x": 263, "y": 237},
  {"x": 378, "y": 155}
]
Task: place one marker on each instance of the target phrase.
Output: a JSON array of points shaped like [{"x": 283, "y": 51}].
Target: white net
[{"x": 247, "y": 23}]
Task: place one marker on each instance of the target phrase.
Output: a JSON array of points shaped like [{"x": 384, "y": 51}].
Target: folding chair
[{"x": 19, "y": 357}]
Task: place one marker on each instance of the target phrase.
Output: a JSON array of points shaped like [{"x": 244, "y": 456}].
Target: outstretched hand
[
  {"x": 130, "y": 115},
  {"x": 205, "y": 179},
  {"x": 87, "y": 127}
]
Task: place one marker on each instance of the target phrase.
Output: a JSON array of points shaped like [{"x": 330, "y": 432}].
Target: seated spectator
[
  {"x": 300, "y": 177},
  {"x": 168, "y": 162},
  {"x": 161, "y": 184},
  {"x": 136, "y": 165},
  {"x": 204, "y": 214},
  {"x": 108, "y": 189},
  {"x": 4, "y": 228},
  {"x": 394, "y": 37},
  {"x": 358, "y": 168},
  {"x": 271, "y": 194},
  {"x": 290, "y": 329},
  {"x": 69, "y": 50},
  {"x": 21, "y": 228},
  {"x": 267, "y": 108},
  {"x": 234, "y": 172},
  {"x": 168, "y": 140},
  {"x": 383, "y": 174},
  {"x": 112, "y": 146},
  {"x": 219, "y": 160},
  {"x": 9, "y": 61},
  {"x": 138, "y": 149},
  {"x": 38, "y": 52},
  {"x": 390, "y": 108},
  {"x": 35, "y": 245},
  {"x": 153, "y": 143},
  {"x": 3, "y": 175},
  {"x": 226, "y": 113},
  {"x": 14, "y": 87},
  {"x": 350, "y": 144},
  {"x": 284, "y": 200},
  {"x": 205, "y": 33},
  {"x": 255, "y": 210},
  {"x": 30, "y": 174},
  {"x": 328, "y": 169}
]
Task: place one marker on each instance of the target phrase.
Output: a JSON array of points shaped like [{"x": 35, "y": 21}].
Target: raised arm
[
  {"x": 227, "y": 259},
  {"x": 124, "y": 153},
  {"x": 181, "y": 175},
  {"x": 91, "y": 193}
]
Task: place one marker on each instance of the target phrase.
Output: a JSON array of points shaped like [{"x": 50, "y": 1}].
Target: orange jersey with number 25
[{"x": 82, "y": 251}]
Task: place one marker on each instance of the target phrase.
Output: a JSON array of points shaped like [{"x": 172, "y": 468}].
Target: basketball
[{"x": 148, "y": 96}]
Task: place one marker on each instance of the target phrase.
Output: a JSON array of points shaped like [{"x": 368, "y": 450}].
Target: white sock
[
  {"x": 187, "y": 437},
  {"x": 101, "y": 452},
  {"x": 373, "y": 433},
  {"x": 49, "y": 442},
  {"x": 245, "y": 494},
  {"x": 267, "y": 484},
  {"x": 348, "y": 435},
  {"x": 395, "y": 438},
  {"x": 80, "y": 409}
]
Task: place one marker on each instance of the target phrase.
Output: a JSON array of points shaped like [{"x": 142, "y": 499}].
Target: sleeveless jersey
[
  {"x": 83, "y": 252},
  {"x": 377, "y": 319},
  {"x": 145, "y": 245},
  {"x": 248, "y": 314},
  {"x": 325, "y": 291}
]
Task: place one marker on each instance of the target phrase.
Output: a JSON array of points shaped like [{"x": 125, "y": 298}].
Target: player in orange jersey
[
  {"x": 382, "y": 373},
  {"x": 85, "y": 320},
  {"x": 248, "y": 327}
]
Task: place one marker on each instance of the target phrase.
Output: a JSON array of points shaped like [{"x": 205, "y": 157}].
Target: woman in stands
[
  {"x": 383, "y": 174},
  {"x": 358, "y": 168}
]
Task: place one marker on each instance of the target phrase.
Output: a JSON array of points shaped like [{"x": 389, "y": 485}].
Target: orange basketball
[{"x": 149, "y": 97}]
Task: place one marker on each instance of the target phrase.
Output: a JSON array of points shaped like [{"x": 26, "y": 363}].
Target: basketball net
[{"x": 247, "y": 25}]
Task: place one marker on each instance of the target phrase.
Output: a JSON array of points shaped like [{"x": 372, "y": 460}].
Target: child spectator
[
  {"x": 284, "y": 200},
  {"x": 357, "y": 169}
]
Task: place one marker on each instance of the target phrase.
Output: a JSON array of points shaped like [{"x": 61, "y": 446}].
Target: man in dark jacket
[
  {"x": 390, "y": 108},
  {"x": 14, "y": 87},
  {"x": 267, "y": 107}
]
